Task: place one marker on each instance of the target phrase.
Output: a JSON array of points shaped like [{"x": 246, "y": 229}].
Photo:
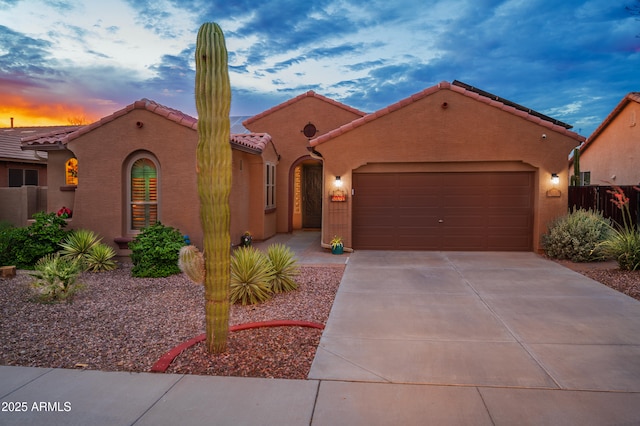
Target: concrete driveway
[{"x": 498, "y": 337}]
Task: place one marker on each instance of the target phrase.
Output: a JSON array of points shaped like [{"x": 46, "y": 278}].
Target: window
[
  {"x": 270, "y": 186},
  {"x": 143, "y": 200},
  {"x": 71, "y": 172},
  {"x": 20, "y": 177}
]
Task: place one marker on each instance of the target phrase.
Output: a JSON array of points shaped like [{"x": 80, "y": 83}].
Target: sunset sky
[{"x": 64, "y": 61}]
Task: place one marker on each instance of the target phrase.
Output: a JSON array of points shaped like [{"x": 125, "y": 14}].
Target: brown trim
[{"x": 68, "y": 187}]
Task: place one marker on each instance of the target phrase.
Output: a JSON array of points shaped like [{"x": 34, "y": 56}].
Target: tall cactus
[
  {"x": 575, "y": 179},
  {"x": 213, "y": 101}
]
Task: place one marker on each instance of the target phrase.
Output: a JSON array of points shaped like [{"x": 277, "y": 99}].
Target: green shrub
[
  {"x": 6, "y": 235},
  {"x": 55, "y": 278},
  {"x": 87, "y": 247},
  {"x": 24, "y": 246},
  {"x": 577, "y": 236},
  {"x": 154, "y": 252},
  {"x": 284, "y": 267},
  {"x": 251, "y": 275}
]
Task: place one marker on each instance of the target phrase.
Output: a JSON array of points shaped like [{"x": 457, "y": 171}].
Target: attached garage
[{"x": 472, "y": 211}]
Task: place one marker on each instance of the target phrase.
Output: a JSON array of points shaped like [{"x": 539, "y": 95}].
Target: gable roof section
[
  {"x": 309, "y": 94},
  {"x": 631, "y": 97},
  {"x": 10, "y": 141},
  {"x": 249, "y": 142},
  {"x": 480, "y": 96}
]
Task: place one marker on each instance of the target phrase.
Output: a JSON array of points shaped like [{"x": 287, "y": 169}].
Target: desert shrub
[
  {"x": 284, "y": 267},
  {"x": 87, "y": 247},
  {"x": 154, "y": 252},
  {"x": 24, "y": 246},
  {"x": 6, "y": 235},
  {"x": 251, "y": 275},
  {"x": 577, "y": 236},
  {"x": 55, "y": 278}
]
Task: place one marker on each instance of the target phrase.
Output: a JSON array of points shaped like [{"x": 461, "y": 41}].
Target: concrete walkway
[{"x": 413, "y": 338}]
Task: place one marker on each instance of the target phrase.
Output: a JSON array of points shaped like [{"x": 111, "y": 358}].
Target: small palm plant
[
  {"x": 55, "y": 278},
  {"x": 284, "y": 268},
  {"x": 251, "y": 275}
]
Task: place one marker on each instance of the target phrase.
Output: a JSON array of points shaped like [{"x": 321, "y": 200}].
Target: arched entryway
[{"x": 305, "y": 185}]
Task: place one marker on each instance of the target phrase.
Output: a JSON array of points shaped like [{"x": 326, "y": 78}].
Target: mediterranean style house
[
  {"x": 449, "y": 168},
  {"x": 610, "y": 155}
]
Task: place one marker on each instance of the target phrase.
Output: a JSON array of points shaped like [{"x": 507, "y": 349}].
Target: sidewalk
[{"x": 418, "y": 338}]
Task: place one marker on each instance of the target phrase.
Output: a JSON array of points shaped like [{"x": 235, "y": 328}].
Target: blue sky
[{"x": 64, "y": 59}]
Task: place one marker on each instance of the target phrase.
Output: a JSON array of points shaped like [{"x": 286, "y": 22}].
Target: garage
[{"x": 454, "y": 211}]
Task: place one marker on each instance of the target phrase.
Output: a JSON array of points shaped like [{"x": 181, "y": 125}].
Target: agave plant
[
  {"x": 284, "y": 267},
  {"x": 100, "y": 258},
  {"x": 251, "y": 275}
]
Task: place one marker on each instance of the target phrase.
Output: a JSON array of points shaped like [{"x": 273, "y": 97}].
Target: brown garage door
[{"x": 443, "y": 211}]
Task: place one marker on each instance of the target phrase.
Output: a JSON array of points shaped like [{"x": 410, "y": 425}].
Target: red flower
[{"x": 64, "y": 212}]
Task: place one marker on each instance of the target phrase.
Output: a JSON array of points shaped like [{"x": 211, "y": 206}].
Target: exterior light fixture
[
  {"x": 555, "y": 179},
  {"x": 338, "y": 182}
]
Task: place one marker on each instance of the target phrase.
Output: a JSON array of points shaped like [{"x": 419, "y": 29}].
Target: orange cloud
[{"x": 27, "y": 113}]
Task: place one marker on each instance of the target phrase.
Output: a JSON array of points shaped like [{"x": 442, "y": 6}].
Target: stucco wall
[
  {"x": 104, "y": 154},
  {"x": 613, "y": 156},
  {"x": 285, "y": 126},
  {"x": 467, "y": 135}
]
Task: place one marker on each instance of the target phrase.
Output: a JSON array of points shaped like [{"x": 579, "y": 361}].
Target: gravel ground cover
[{"x": 120, "y": 323}]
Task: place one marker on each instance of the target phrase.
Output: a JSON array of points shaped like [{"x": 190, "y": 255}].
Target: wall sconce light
[
  {"x": 338, "y": 182},
  {"x": 555, "y": 179}
]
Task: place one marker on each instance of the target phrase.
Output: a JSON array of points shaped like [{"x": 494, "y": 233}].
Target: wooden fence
[{"x": 599, "y": 198}]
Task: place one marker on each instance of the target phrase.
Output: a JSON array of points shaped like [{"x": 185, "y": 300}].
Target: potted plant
[
  {"x": 337, "y": 246},
  {"x": 245, "y": 239}
]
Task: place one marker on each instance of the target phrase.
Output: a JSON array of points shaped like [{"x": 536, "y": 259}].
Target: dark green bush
[
  {"x": 577, "y": 236},
  {"x": 154, "y": 252},
  {"x": 23, "y": 247}
]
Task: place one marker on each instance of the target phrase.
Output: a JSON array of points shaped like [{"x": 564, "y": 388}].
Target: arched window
[
  {"x": 143, "y": 193},
  {"x": 71, "y": 172}
]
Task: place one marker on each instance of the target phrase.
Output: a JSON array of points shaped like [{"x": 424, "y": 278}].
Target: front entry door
[{"x": 312, "y": 196}]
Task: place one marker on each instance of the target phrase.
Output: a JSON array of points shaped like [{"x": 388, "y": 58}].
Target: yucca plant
[
  {"x": 100, "y": 258},
  {"x": 78, "y": 244},
  {"x": 284, "y": 267},
  {"x": 251, "y": 275},
  {"x": 55, "y": 278}
]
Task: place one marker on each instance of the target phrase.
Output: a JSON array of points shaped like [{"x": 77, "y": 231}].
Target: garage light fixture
[
  {"x": 338, "y": 182},
  {"x": 555, "y": 179}
]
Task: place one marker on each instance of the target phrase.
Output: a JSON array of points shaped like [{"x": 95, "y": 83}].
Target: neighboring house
[
  {"x": 449, "y": 168},
  {"x": 611, "y": 155},
  {"x": 138, "y": 166},
  {"x": 22, "y": 172}
]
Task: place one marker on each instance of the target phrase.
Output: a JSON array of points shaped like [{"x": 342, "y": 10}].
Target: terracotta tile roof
[
  {"x": 11, "y": 141},
  {"x": 252, "y": 142},
  {"x": 308, "y": 94},
  {"x": 495, "y": 102},
  {"x": 631, "y": 97}
]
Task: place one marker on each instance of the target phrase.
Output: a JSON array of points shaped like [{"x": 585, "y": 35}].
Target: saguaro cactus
[{"x": 213, "y": 101}]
